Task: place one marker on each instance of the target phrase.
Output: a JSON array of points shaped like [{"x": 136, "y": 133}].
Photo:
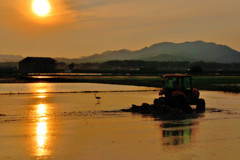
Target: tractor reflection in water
[
  {"x": 176, "y": 137},
  {"x": 178, "y": 92},
  {"x": 177, "y": 133}
]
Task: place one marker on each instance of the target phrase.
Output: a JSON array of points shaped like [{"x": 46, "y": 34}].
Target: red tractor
[{"x": 178, "y": 92}]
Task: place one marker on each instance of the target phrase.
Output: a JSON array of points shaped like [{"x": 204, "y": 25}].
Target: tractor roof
[{"x": 176, "y": 75}]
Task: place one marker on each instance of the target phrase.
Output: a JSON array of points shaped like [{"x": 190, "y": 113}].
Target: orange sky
[{"x": 76, "y": 28}]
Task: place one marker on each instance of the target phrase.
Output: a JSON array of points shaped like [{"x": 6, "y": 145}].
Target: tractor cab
[
  {"x": 177, "y": 82},
  {"x": 179, "y": 86},
  {"x": 178, "y": 92}
]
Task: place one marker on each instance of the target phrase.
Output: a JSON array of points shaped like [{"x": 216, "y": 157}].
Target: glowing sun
[{"x": 41, "y": 7}]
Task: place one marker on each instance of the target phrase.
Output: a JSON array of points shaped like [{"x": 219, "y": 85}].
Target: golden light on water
[
  {"x": 41, "y": 88},
  {"x": 41, "y": 130},
  {"x": 41, "y": 7},
  {"x": 41, "y": 110},
  {"x": 41, "y": 91},
  {"x": 41, "y": 135},
  {"x": 41, "y": 96}
]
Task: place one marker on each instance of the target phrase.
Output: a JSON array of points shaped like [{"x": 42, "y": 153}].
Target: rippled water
[
  {"x": 64, "y": 87},
  {"x": 60, "y": 125}
]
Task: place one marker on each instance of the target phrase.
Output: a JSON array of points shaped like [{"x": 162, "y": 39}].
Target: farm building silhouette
[{"x": 37, "y": 65}]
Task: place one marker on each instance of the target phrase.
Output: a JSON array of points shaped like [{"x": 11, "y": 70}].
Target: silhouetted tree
[
  {"x": 196, "y": 69},
  {"x": 71, "y": 66}
]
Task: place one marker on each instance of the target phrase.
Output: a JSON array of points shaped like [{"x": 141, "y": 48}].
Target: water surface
[
  {"x": 31, "y": 88},
  {"x": 45, "y": 125}
]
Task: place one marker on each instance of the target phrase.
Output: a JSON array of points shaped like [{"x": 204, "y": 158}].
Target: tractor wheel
[
  {"x": 159, "y": 101},
  {"x": 201, "y": 105}
]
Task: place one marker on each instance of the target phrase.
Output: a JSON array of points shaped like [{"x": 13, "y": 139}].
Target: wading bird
[{"x": 98, "y": 98}]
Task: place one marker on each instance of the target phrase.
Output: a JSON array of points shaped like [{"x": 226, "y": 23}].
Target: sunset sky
[{"x": 75, "y": 28}]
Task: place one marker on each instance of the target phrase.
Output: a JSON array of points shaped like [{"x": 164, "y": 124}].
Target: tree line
[{"x": 139, "y": 66}]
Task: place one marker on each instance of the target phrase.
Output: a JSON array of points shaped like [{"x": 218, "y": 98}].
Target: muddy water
[{"x": 45, "y": 125}]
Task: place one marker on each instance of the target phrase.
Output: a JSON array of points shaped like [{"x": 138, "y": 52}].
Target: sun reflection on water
[
  {"x": 41, "y": 87},
  {"x": 41, "y": 96},
  {"x": 41, "y": 91},
  {"x": 41, "y": 110},
  {"x": 41, "y": 130},
  {"x": 41, "y": 135}
]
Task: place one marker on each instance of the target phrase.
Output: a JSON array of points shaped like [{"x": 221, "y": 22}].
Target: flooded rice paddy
[{"x": 66, "y": 121}]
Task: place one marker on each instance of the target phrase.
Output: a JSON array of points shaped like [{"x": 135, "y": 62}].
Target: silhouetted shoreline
[{"x": 211, "y": 83}]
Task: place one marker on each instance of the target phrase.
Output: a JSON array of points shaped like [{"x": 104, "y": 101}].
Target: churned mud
[{"x": 163, "y": 111}]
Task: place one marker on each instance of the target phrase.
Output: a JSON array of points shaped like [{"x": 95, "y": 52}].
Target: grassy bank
[
  {"x": 218, "y": 83},
  {"x": 215, "y": 83}
]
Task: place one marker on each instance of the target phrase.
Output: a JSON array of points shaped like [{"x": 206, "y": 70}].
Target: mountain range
[
  {"x": 10, "y": 58},
  {"x": 166, "y": 51}
]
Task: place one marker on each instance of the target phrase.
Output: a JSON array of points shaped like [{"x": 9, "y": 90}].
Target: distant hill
[
  {"x": 167, "y": 51},
  {"x": 10, "y": 58},
  {"x": 67, "y": 60}
]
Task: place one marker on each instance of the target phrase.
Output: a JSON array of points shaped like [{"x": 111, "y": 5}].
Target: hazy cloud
[{"x": 78, "y": 28}]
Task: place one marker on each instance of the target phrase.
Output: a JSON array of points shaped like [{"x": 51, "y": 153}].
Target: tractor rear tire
[
  {"x": 159, "y": 101},
  {"x": 201, "y": 105}
]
